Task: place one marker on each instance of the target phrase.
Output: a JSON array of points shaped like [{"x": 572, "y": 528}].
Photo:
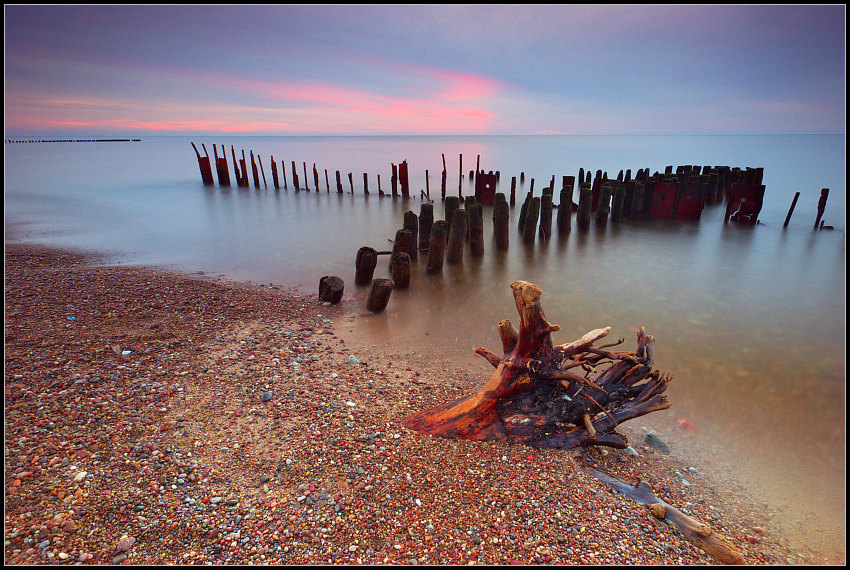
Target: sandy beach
[{"x": 159, "y": 418}]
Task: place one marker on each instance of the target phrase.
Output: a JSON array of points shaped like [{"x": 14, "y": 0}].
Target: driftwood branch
[{"x": 547, "y": 395}]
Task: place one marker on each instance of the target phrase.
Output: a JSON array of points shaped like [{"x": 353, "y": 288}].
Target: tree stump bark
[{"x": 546, "y": 395}]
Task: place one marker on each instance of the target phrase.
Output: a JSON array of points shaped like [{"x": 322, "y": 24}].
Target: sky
[{"x": 423, "y": 69}]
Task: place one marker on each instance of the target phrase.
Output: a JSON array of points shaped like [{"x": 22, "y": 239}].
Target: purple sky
[{"x": 429, "y": 69}]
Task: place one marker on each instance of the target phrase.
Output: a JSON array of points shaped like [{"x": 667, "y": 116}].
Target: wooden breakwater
[{"x": 31, "y": 141}]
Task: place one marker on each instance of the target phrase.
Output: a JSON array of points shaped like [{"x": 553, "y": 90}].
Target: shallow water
[{"x": 749, "y": 321}]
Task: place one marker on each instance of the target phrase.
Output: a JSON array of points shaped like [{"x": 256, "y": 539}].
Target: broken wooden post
[
  {"x": 513, "y": 192},
  {"x": 221, "y": 167},
  {"x": 585, "y": 197},
  {"x": 603, "y": 207},
  {"x": 283, "y": 170},
  {"x": 457, "y": 237},
  {"x": 565, "y": 208},
  {"x": 365, "y": 184},
  {"x": 475, "y": 216},
  {"x": 617, "y": 203},
  {"x": 426, "y": 221},
  {"x": 443, "y": 184},
  {"x": 254, "y": 171},
  {"x": 460, "y": 178},
  {"x": 791, "y": 210},
  {"x": 331, "y": 289},
  {"x": 523, "y": 213},
  {"x": 394, "y": 181},
  {"x": 204, "y": 165},
  {"x": 338, "y": 183},
  {"x": 824, "y": 193},
  {"x": 400, "y": 269},
  {"x": 379, "y": 295},
  {"x": 315, "y": 177},
  {"x": 274, "y": 174},
  {"x": 306, "y": 184},
  {"x": 380, "y": 192},
  {"x": 452, "y": 204},
  {"x": 238, "y": 177},
  {"x": 501, "y": 214},
  {"x": 327, "y": 182},
  {"x": 437, "y": 246},
  {"x": 546, "y": 214},
  {"x": 401, "y": 242},
  {"x": 411, "y": 224},
  {"x": 365, "y": 263},
  {"x": 427, "y": 186},
  {"x": 351, "y": 181},
  {"x": 295, "y": 177},
  {"x": 637, "y": 200},
  {"x": 403, "y": 180},
  {"x": 529, "y": 230},
  {"x": 262, "y": 171}
]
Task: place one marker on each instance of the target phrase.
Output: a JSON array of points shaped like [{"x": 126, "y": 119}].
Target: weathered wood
[
  {"x": 533, "y": 398},
  {"x": 699, "y": 533},
  {"x": 475, "y": 216},
  {"x": 395, "y": 181},
  {"x": 585, "y": 198},
  {"x": 275, "y": 179},
  {"x": 365, "y": 184},
  {"x": 638, "y": 200},
  {"x": 400, "y": 269},
  {"x": 546, "y": 214},
  {"x": 457, "y": 237},
  {"x": 437, "y": 247},
  {"x": 339, "y": 189},
  {"x": 283, "y": 171},
  {"x": 565, "y": 208},
  {"x": 351, "y": 181},
  {"x": 315, "y": 177},
  {"x": 512, "y": 201},
  {"x": 403, "y": 179},
  {"x": 401, "y": 243},
  {"x": 254, "y": 171},
  {"x": 306, "y": 184},
  {"x": 327, "y": 182},
  {"x": 617, "y": 202},
  {"x": 379, "y": 295},
  {"x": 501, "y": 214},
  {"x": 411, "y": 223},
  {"x": 331, "y": 289},
  {"x": 451, "y": 205},
  {"x": 603, "y": 207},
  {"x": 204, "y": 165},
  {"x": 791, "y": 210},
  {"x": 529, "y": 230},
  {"x": 824, "y": 194},
  {"x": 295, "y": 177},
  {"x": 426, "y": 221}
]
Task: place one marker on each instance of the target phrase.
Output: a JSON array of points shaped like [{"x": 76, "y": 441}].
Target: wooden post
[
  {"x": 394, "y": 181},
  {"x": 237, "y": 178},
  {"x": 529, "y": 230},
  {"x": 411, "y": 224},
  {"x": 791, "y": 210},
  {"x": 637, "y": 200},
  {"x": 274, "y": 174},
  {"x": 351, "y": 181},
  {"x": 824, "y": 193},
  {"x": 585, "y": 197},
  {"x": 365, "y": 263},
  {"x": 437, "y": 247},
  {"x": 443, "y": 185},
  {"x": 513, "y": 191},
  {"x": 283, "y": 170},
  {"x": 501, "y": 213},
  {"x": 204, "y": 165},
  {"x": 603, "y": 208},
  {"x": 400, "y": 269},
  {"x": 295, "y": 176},
  {"x": 565, "y": 208},
  {"x": 457, "y": 237},
  {"x": 426, "y": 221},
  {"x": 315, "y": 177},
  {"x": 546, "y": 214},
  {"x": 331, "y": 289},
  {"x": 403, "y": 180},
  {"x": 254, "y": 171},
  {"x": 380, "y": 192},
  {"x": 475, "y": 217},
  {"x": 379, "y": 295},
  {"x": 427, "y": 186},
  {"x": 262, "y": 171},
  {"x": 452, "y": 204},
  {"x": 617, "y": 203},
  {"x": 401, "y": 243},
  {"x": 338, "y": 183},
  {"x": 459, "y": 179},
  {"x": 306, "y": 184},
  {"x": 244, "y": 164},
  {"x": 327, "y": 182},
  {"x": 365, "y": 184}
]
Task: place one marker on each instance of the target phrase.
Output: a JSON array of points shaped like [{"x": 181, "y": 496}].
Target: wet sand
[{"x": 159, "y": 418}]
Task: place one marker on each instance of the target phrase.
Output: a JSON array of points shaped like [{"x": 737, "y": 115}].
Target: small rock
[
  {"x": 266, "y": 396},
  {"x": 655, "y": 442},
  {"x": 353, "y": 360}
]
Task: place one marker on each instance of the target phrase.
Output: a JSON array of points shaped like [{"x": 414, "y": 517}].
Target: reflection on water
[{"x": 749, "y": 321}]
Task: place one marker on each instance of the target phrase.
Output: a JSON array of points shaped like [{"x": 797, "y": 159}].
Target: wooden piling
[
  {"x": 565, "y": 208},
  {"x": 262, "y": 171},
  {"x": 617, "y": 203},
  {"x": 338, "y": 183},
  {"x": 244, "y": 164},
  {"x": 331, "y": 289},
  {"x": 638, "y": 200},
  {"x": 274, "y": 174},
  {"x": 546, "y": 214},
  {"x": 411, "y": 224},
  {"x": 457, "y": 237},
  {"x": 204, "y": 165},
  {"x": 401, "y": 243},
  {"x": 365, "y": 263},
  {"x": 459, "y": 179},
  {"x": 523, "y": 213},
  {"x": 400, "y": 269},
  {"x": 254, "y": 171},
  {"x": 475, "y": 215},
  {"x": 513, "y": 192},
  {"x": 379, "y": 295},
  {"x": 791, "y": 210},
  {"x": 585, "y": 197},
  {"x": 824, "y": 193},
  {"x": 351, "y": 181},
  {"x": 501, "y": 213},
  {"x": 295, "y": 177},
  {"x": 403, "y": 179},
  {"x": 529, "y": 230},
  {"x": 238, "y": 177},
  {"x": 315, "y": 177},
  {"x": 603, "y": 207},
  {"x": 365, "y": 184},
  {"x": 327, "y": 182},
  {"x": 283, "y": 170},
  {"x": 427, "y": 186},
  {"x": 443, "y": 184},
  {"x": 452, "y": 204},
  {"x": 306, "y": 184},
  {"x": 437, "y": 246},
  {"x": 426, "y": 222}
]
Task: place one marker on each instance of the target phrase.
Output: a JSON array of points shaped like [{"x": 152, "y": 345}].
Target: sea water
[{"x": 749, "y": 321}]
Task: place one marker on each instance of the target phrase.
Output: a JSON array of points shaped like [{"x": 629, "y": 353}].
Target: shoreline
[{"x": 214, "y": 421}]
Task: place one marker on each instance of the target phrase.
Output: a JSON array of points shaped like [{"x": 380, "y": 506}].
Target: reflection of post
[
  {"x": 791, "y": 210},
  {"x": 824, "y": 193}
]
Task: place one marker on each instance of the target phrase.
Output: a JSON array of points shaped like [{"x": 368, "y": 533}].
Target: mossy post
[
  {"x": 411, "y": 223},
  {"x": 400, "y": 270},
  {"x": 379, "y": 295},
  {"x": 365, "y": 263},
  {"x": 475, "y": 216},
  {"x": 617, "y": 203},
  {"x": 426, "y": 221},
  {"x": 457, "y": 237},
  {"x": 501, "y": 214},
  {"x": 603, "y": 208},
  {"x": 532, "y": 214},
  {"x": 585, "y": 196},
  {"x": 437, "y": 247},
  {"x": 546, "y": 214}
]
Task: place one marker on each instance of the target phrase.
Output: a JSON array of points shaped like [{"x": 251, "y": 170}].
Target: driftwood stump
[{"x": 546, "y": 395}]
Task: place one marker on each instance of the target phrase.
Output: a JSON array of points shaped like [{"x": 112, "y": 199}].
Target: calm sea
[{"x": 750, "y": 321}]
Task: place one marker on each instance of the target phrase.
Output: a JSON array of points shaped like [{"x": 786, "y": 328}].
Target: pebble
[{"x": 266, "y": 396}]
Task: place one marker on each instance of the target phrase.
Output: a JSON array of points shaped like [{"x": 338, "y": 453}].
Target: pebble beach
[{"x": 153, "y": 417}]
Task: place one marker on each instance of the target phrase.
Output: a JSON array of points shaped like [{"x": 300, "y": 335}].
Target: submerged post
[
  {"x": 437, "y": 247},
  {"x": 411, "y": 224},
  {"x": 426, "y": 222},
  {"x": 501, "y": 213},
  {"x": 603, "y": 208},
  {"x": 532, "y": 214},
  {"x": 204, "y": 165},
  {"x": 546, "y": 214},
  {"x": 585, "y": 196},
  {"x": 457, "y": 237},
  {"x": 475, "y": 217},
  {"x": 791, "y": 210}
]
